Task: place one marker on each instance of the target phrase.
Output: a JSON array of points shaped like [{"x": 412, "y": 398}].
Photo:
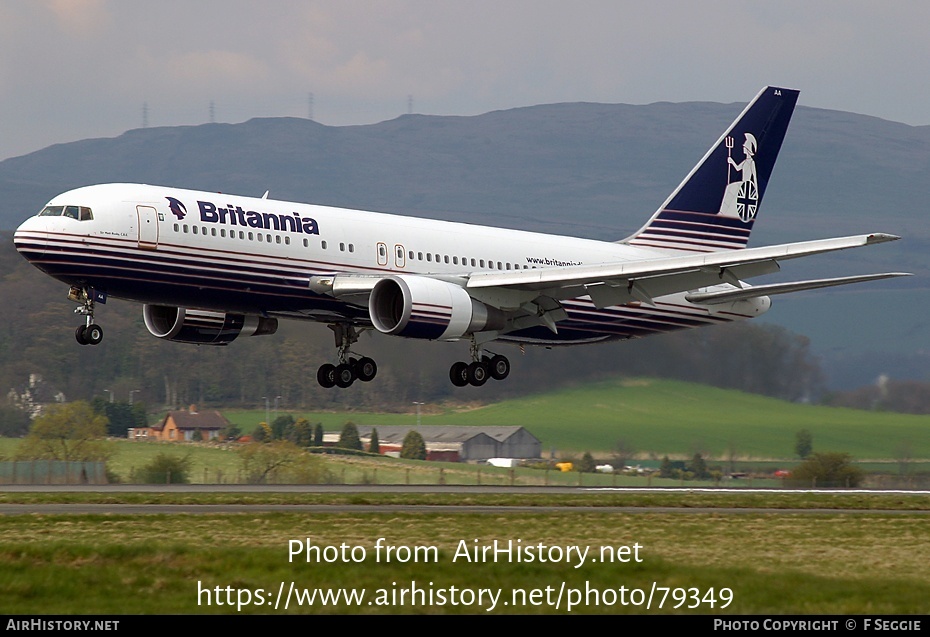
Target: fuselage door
[
  {"x": 382, "y": 254},
  {"x": 148, "y": 227},
  {"x": 399, "y": 256}
]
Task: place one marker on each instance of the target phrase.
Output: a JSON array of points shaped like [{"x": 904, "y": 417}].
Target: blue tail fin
[{"x": 715, "y": 206}]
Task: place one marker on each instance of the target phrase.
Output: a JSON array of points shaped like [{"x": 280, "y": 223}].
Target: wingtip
[{"x": 881, "y": 237}]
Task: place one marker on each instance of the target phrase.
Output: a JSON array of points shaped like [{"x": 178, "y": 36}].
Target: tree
[
  {"x": 699, "y": 467},
  {"x": 299, "y": 432},
  {"x": 262, "y": 433},
  {"x": 349, "y": 438},
  {"x": 280, "y": 460},
  {"x": 281, "y": 425},
  {"x": 318, "y": 435},
  {"x": 14, "y": 422},
  {"x": 166, "y": 468},
  {"x": 68, "y": 432},
  {"x": 587, "y": 463},
  {"x": 803, "y": 443},
  {"x": 827, "y": 469},
  {"x": 374, "y": 445},
  {"x": 121, "y": 415},
  {"x": 413, "y": 447},
  {"x": 666, "y": 469}
]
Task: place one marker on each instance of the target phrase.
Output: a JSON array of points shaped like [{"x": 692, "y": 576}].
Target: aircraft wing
[{"x": 643, "y": 280}]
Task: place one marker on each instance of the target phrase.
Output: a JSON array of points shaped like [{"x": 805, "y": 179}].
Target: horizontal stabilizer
[{"x": 741, "y": 294}]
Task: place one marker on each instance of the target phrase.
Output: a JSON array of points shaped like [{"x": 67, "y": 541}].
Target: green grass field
[
  {"x": 771, "y": 563},
  {"x": 654, "y": 417},
  {"x": 665, "y": 417}
]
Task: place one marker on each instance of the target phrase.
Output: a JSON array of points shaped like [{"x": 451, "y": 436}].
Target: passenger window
[
  {"x": 176, "y": 227},
  {"x": 323, "y": 244},
  {"x": 213, "y": 231},
  {"x": 446, "y": 258},
  {"x": 455, "y": 260},
  {"x": 259, "y": 237},
  {"x": 351, "y": 247},
  {"x": 429, "y": 257},
  {"x": 306, "y": 243}
]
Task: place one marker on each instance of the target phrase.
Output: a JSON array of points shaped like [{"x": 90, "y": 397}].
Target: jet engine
[
  {"x": 423, "y": 307},
  {"x": 203, "y": 327}
]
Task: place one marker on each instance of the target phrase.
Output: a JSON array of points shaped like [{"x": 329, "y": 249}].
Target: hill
[
  {"x": 593, "y": 170},
  {"x": 667, "y": 417}
]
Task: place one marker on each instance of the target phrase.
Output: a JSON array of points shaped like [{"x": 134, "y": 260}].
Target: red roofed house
[{"x": 180, "y": 426}]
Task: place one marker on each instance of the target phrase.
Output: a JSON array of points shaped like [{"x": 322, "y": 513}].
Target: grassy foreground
[{"x": 784, "y": 563}]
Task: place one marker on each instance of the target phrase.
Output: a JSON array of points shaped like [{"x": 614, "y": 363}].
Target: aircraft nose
[{"x": 31, "y": 238}]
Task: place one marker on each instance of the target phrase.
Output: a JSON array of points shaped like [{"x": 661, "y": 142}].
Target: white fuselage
[{"x": 220, "y": 252}]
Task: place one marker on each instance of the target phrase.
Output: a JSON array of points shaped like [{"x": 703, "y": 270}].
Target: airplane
[{"x": 211, "y": 267}]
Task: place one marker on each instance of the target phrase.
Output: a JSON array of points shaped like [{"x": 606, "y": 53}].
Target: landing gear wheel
[
  {"x": 79, "y": 335},
  {"x": 458, "y": 374},
  {"x": 93, "y": 334},
  {"x": 326, "y": 375},
  {"x": 365, "y": 369},
  {"x": 477, "y": 373},
  {"x": 499, "y": 367},
  {"x": 344, "y": 376}
]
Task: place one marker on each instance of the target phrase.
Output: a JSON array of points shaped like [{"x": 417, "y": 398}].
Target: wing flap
[{"x": 727, "y": 296}]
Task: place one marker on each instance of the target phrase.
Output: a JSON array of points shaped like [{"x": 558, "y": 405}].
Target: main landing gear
[
  {"x": 480, "y": 369},
  {"x": 349, "y": 368},
  {"x": 89, "y": 333}
]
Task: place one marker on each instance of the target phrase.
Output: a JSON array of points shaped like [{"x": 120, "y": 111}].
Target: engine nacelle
[
  {"x": 422, "y": 307},
  {"x": 202, "y": 327}
]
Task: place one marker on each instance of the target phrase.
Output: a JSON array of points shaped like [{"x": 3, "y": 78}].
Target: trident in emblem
[{"x": 729, "y": 142}]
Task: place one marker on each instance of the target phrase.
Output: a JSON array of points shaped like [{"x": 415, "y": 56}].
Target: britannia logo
[
  {"x": 741, "y": 197},
  {"x": 177, "y": 208}
]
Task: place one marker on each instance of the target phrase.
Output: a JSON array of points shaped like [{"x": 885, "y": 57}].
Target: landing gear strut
[
  {"x": 480, "y": 369},
  {"x": 89, "y": 333},
  {"x": 349, "y": 368}
]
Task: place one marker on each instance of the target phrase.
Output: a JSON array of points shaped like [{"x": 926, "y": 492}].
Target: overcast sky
[{"x": 73, "y": 69}]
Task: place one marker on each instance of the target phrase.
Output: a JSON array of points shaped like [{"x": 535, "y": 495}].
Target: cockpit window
[{"x": 81, "y": 213}]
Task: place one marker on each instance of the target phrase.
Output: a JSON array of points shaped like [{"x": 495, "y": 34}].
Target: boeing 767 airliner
[{"x": 210, "y": 267}]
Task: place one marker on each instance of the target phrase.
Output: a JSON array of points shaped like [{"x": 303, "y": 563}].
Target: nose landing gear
[{"x": 89, "y": 333}]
